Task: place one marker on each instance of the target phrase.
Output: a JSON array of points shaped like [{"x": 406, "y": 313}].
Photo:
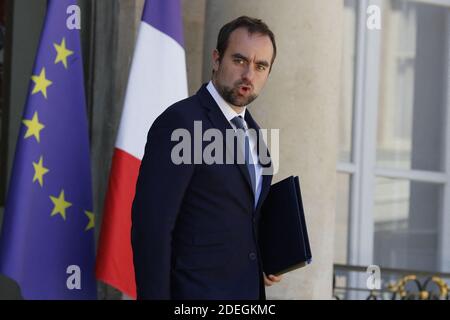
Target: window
[{"x": 394, "y": 150}]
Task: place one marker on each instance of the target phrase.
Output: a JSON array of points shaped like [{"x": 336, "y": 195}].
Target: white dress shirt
[{"x": 229, "y": 114}]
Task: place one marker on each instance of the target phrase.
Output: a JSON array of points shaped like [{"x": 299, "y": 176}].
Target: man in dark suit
[{"x": 195, "y": 224}]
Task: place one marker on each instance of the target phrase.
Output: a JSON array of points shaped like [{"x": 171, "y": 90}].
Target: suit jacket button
[{"x": 252, "y": 256}]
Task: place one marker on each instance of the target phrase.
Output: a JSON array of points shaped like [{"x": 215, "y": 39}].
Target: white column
[{"x": 301, "y": 98}]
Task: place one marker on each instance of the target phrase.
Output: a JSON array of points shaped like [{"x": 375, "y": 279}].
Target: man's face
[{"x": 241, "y": 74}]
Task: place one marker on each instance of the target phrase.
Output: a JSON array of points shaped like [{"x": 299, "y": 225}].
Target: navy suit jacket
[{"x": 195, "y": 226}]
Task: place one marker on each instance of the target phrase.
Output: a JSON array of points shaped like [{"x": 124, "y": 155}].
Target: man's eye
[
  {"x": 239, "y": 61},
  {"x": 261, "y": 67}
]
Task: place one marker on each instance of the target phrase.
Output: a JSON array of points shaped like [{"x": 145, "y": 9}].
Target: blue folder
[{"x": 283, "y": 236}]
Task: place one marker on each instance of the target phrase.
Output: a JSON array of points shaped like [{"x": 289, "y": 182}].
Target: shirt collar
[{"x": 228, "y": 112}]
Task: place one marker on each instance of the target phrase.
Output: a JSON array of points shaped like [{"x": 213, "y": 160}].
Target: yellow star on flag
[
  {"x": 60, "y": 205},
  {"x": 34, "y": 127},
  {"x": 91, "y": 217},
  {"x": 41, "y": 83},
  {"x": 39, "y": 171},
  {"x": 62, "y": 53}
]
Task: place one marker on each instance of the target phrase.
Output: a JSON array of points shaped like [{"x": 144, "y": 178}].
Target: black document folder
[{"x": 283, "y": 236}]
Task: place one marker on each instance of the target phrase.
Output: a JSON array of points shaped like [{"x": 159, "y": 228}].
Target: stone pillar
[
  {"x": 301, "y": 99},
  {"x": 193, "y": 23}
]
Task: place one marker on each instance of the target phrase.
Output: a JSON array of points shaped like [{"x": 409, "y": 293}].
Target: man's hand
[{"x": 271, "y": 279}]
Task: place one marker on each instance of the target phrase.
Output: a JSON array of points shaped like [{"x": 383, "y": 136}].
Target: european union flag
[{"x": 47, "y": 240}]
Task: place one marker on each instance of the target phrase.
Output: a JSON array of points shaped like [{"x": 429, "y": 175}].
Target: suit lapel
[
  {"x": 261, "y": 146},
  {"x": 266, "y": 181},
  {"x": 219, "y": 121}
]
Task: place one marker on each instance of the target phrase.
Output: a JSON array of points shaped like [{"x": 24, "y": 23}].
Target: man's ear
[{"x": 216, "y": 59}]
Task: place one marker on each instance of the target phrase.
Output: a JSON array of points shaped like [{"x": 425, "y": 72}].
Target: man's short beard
[{"x": 230, "y": 96}]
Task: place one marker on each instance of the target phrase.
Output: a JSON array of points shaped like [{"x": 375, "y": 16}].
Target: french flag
[{"x": 157, "y": 80}]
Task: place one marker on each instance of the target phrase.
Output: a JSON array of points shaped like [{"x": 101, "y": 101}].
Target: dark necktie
[{"x": 239, "y": 123}]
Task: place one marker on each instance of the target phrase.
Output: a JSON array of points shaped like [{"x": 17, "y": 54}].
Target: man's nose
[{"x": 248, "y": 73}]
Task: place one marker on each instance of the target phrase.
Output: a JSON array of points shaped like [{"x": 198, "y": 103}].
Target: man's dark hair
[{"x": 252, "y": 25}]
